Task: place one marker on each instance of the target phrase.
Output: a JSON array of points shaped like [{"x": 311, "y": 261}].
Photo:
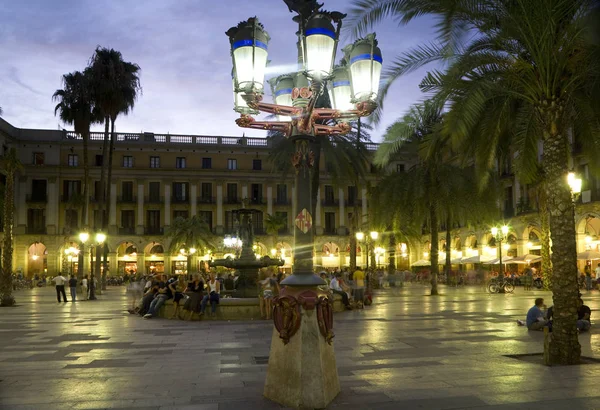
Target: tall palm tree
[
  {"x": 76, "y": 107},
  {"x": 11, "y": 166},
  {"x": 186, "y": 233},
  {"x": 116, "y": 88},
  {"x": 274, "y": 224},
  {"x": 532, "y": 67}
]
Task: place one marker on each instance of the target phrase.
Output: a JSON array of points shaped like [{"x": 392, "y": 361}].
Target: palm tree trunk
[
  {"x": 6, "y": 285},
  {"x": 86, "y": 198},
  {"x": 108, "y": 195},
  {"x": 545, "y": 238},
  {"x": 448, "y": 249},
  {"x": 391, "y": 268},
  {"x": 433, "y": 222},
  {"x": 352, "y": 238},
  {"x": 100, "y": 220},
  {"x": 564, "y": 346}
]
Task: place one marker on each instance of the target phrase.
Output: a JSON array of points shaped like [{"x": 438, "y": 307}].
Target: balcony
[
  {"x": 40, "y": 198},
  {"x": 232, "y": 200},
  {"x": 127, "y": 199},
  {"x": 153, "y": 230},
  {"x": 330, "y": 202},
  {"x": 34, "y": 230},
  {"x": 180, "y": 200},
  {"x": 151, "y": 199},
  {"x": 206, "y": 200},
  {"x": 329, "y": 231},
  {"x": 282, "y": 201},
  {"x": 354, "y": 202},
  {"x": 130, "y": 230},
  {"x": 258, "y": 201}
]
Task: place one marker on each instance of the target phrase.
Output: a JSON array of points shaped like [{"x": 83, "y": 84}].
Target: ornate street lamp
[
  {"x": 353, "y": 88},
  {"x": 575, "y": 185},
  {"x": 500, "y": 234}
]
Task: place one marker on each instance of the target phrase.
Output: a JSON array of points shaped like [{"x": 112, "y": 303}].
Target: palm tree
[
  {"x": 116, "y": 88},
  {"x": 188, "y": 233},
  {"x": 531, "y": 68},
  {"x": 274, "y": 224},
  {"x": 76, "y": 107},
  {"x": 11, "y": 166}
]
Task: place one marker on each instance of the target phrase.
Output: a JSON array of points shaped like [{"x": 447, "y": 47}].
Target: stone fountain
[{"x": 246, "y": 264}]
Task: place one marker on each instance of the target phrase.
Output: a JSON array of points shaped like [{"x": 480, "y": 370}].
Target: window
[
  {"x": 180, "y": 162},
  {"x": 154, "y": 192},
  {"x": 99, "y": 160},
  {"x": 257, "y": 164},
  {"x": 256, "y": 193},
  {"x": 282, "y": 194},
  {"x": 98, "y": 194},
  {"x": 71, "y": 219},
  {"x": 330, "y": 222},
  {"x": 206, "y": 192},
  {"x": 99, "y": 219},
  {"x": 73, "y": 160},
  {"x": 154, "y": 162},
  {"x": 399, "y": 167},
  {"x": 206, "y": 163},
  {"x": 127, "y": 161},
  {"x": 38, "y": 190},
  {"x": 257, "y": 222},
  {"x": 180, "y": 192},
  {"x": 229, "y": 222},
  {"x": 232, "y": 164},
  {"x": 180, "y": 214},
  {"x": 329, "y": 198},
  {"x": 283, "y": 215},
  {"x": 153, "y": 222},
  {"x": 351, "y": 195},
  {"x": 38, "y": 158},
  {"x": 128, "y": 220},
  {"x": 206, "y": 217},
  {"x": 70, "y": 189},
  {"x": 127, "y": 191},
  {"x": 36, "y": 221},
  {"x": 231, "y": 193}
]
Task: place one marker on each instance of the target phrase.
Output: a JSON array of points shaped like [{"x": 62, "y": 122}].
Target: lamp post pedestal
[{"x": 302, "y": 371}]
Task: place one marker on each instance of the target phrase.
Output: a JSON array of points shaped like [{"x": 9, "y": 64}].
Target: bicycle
[{"x": 495, "y": 287}]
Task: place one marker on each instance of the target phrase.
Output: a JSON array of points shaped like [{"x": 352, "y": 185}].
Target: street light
[
  {"x": 499, "y": 235},
  {"x": 575, "y": 185},
  {"x": 369, "y": 240}
]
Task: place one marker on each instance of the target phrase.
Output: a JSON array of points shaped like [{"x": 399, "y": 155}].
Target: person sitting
[
  {"x": 214, "y": 289},
  {"x": 177, "y": 296},
  {"x": 583, "y": 316},
  {"x": 535, "y": 316},
  {"x": 144, "y": 304},
  {"x": 269, "y": 287},
  {"x": 336, "y": 288},
  {"x": 166, "y": 290},
  {"x": 194, "y": 291}
]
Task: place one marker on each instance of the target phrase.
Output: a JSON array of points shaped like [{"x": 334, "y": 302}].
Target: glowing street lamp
[{"x": 500, "y": 234}]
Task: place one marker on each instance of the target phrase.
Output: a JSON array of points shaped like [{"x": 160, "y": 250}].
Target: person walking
[
  {"x": 59, "y": 281},
  {"x": 73, "y": 288}
]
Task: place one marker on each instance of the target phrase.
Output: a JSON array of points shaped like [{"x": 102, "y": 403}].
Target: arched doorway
[
  {"x": 154, "y": 255},
  {"x": 127, "y": 259},
  {"x": 37, "y": 260}
]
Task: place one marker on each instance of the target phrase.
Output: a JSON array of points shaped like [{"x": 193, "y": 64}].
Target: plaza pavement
[{"x": 406, "y": 351}]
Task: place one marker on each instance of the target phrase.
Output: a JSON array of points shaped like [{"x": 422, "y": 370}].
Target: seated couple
[
  {"x": 197, "y": 300},
  {"x": 538, "y": 318}
]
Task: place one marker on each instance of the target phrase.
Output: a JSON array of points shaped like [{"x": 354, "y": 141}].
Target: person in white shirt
[
  {"x": 336, "y": 287},
  {"x": 84, "y": 287},
  {"x": 59, "y": 280},
  {"x": 597, "y": 272}
]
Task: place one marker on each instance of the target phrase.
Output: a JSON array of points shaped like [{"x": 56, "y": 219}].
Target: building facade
[{"x": 155, "y": 179}]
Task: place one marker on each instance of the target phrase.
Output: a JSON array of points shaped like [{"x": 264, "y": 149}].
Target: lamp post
[
  {"x": 369, "y": 241},
  {"x": 499, "y": 235},
  {"x": 83, "y": 238},
  {"x": 575, "y": 184},
  {"x": 71, "y": 253},
  {"x": 302, "y": 118}
]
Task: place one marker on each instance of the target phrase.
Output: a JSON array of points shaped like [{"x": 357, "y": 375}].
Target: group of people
[
  {"x": 351, "y": 286},
  {"x": 60, "y": 281},
  {"x": 538, "y": 317},
  {"x": 147, "y": 295}
]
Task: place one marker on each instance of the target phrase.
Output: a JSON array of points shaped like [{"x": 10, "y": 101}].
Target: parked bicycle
[{"x": 497, "y": 287}]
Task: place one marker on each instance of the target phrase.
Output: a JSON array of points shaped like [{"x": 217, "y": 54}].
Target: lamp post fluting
[{"x": 303, "y": 118}]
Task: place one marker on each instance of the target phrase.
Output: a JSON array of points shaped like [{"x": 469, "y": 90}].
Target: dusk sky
[{"x": 182, "y": 51}]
